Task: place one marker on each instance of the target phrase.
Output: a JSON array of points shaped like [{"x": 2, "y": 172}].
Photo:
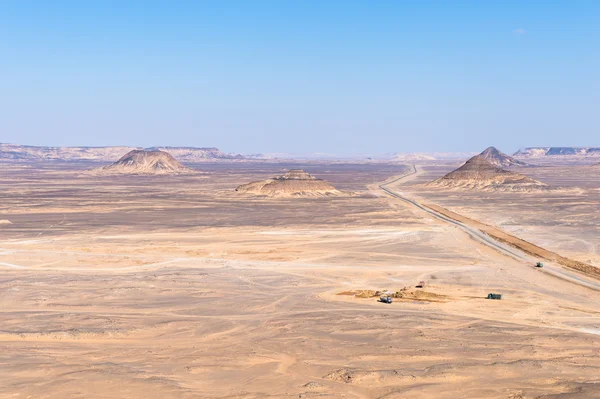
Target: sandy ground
[
  {"x": 565, "y": 220},
  {"x": 179, "y": 288}
]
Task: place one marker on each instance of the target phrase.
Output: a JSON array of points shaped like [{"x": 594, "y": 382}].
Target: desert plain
[{"x": 179, "y": 287}]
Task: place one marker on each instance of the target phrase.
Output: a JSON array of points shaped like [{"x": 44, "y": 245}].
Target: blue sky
[{"x": 341, "y": 77}]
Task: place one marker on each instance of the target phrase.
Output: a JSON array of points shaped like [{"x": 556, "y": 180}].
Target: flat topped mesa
[
  {"x": 477, "y": 173},
  {"x": 296, "y": 174},
  {"x": 500, "y": 159},
  {"x": 294, "y": 183},
  {"x": 145, "y": 163}
]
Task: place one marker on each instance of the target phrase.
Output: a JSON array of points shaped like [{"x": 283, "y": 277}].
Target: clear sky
[{"x": 340, "y": 77}]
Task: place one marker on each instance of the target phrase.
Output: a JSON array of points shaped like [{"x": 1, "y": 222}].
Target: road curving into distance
[{"x": 483, "y": 238}]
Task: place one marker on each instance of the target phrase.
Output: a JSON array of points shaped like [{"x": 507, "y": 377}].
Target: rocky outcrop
[
  {"x": 295, "y": 183},
  {"x": 141, "y": 162},
  {"x": 478, "y": 173},
  {"x": 500, "y": 159}
]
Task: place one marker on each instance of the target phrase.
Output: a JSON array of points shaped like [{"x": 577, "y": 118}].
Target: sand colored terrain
[
  {"x": 565, "y": 220},
  {"x": 521, "y": 244},
  {"x": 171, "y": 287}
]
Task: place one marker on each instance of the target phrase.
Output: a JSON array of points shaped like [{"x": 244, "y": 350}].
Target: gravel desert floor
[{"x": 179, "y": 287}]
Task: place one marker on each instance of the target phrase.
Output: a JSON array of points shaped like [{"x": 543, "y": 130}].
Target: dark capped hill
[
  {"x": 294, "y": 183},
  {"x": 478, "y": 173},
  {"x": 500, "y": 159},
  {"x": 145, "y": 163}
]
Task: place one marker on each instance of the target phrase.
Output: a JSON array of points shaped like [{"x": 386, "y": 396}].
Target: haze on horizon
[{"x": 301, "y": 77}]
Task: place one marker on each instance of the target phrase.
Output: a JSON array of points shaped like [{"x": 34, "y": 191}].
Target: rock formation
[
  {"x": 500, "y": 159},
  {"x": 141, "y": 162},
  {"x": 477, "y": 173},
  {"x": 295, "y": 183}
]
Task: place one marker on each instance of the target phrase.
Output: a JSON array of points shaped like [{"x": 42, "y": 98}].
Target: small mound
[
  {"x": 369, "y": 377},
  {"x": 295, "y": 183},
  {"x": 500, "y": 159},
  {"x": 312, "y": 385},
  {"x": 5, "y": 221},
  {"x": 477, "y": 173},
  {"x": 141, "y": 162}
]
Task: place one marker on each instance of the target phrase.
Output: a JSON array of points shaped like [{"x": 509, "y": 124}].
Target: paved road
[{"x": 483, "y": 238}]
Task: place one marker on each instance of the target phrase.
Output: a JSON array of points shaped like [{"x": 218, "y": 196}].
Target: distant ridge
[
  {"x": 478, "y": 173},
  {"x": 407, "y": 157},
  {"x": 42, "y": 153},
  {"x": 500, "y": 159},
  {"x": 141, "y": 162},
  {"x": 427, "y": 156},
  {"x": 106, "y": 154},
  {"x": 193, "y": 154},
  {"x": 538, "y": 152},
  {"x": 294, "y": 183}
]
